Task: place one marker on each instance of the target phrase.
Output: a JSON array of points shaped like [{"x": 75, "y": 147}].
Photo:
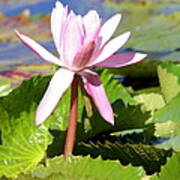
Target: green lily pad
[
  {"x": 169, "y": 78},
  {"x": 23, "y": 144},
  {"x": 82, "y": 168},
  {"x": 151, "y": 101},
  {"x": 160, "y": 33},
  {"x": 170, "y": 112}
]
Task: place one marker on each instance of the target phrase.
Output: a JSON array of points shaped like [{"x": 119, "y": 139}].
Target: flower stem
[{"x": 71, "y": 132}]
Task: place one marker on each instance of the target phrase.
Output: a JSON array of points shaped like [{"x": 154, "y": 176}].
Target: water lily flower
[{"x": 82, "y": 42}]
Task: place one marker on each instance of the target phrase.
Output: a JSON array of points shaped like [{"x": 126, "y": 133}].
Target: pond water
[
  {"x": 8, "y": 50},
  {"x": 9, "y": 55},
  {"x": 45, "y": 7}
]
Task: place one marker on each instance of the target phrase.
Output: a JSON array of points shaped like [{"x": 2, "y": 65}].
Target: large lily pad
[
  {"x": 83, "y": 168},
  {"x": 23, "y": 144}
]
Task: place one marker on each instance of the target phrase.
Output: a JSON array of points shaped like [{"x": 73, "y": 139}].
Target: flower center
[{"x": 83, "y": 56}]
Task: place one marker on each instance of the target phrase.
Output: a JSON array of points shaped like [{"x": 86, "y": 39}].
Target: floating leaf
[
  {"x": 168, "y": 124},
  {"x": 23, "y": 143},
  {"x": 149, "y": 157},
  {"x": 151, "y": 101},
  {"x": 137, "y": 12},
  {"x": 115, "y": 90},
  {"x": 169, "y": 78},
  {"x": 168, "y": 128},
  {"x": 160, "y": 33},
  {"x": 170, "y": 112},
  {"x": 83, "y": 168}
]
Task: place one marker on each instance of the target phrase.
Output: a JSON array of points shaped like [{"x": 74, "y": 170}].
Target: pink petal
[
  {"x": 72, "y": 39},
  {"x": 81, "y": 25},
  {"x": 58, "y": 17},
  {"x": 92, "y": 24},
  {"x": 89, "y": 19},
  {"x": 94, "y": 88},
  {"x": 93, "y": 33},
  {"x": 57, "y": 86},
  {"x": 120, "y": 60},
  {"x": 109, "y": 28},
  {"x": 111, "y": 47},
  {"x": 38, "y": 49}
]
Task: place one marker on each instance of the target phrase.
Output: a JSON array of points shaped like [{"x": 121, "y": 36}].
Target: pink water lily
[{"x": 82, "y": 42}]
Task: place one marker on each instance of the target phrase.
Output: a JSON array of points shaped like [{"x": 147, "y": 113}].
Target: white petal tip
[
  {"x": 119, "y": 16},
  {"x": 17, "y": 32},
  {"x": 38, "y": 121},
  {"x": 141, "y": 56},
  {"x": 59, "y": 4},
  {"x": 39, "y": 117},
  {"x": 116, "y": 18},
  {"x": 127, "y": 34},
  {"x": 109, "y": 118},
  {"x": 110, "y": 121}
]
